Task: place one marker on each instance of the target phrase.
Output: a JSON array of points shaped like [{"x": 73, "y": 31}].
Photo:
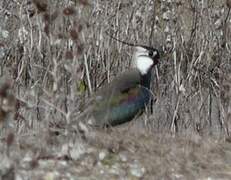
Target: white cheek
[{"x": 144, "y": 64}]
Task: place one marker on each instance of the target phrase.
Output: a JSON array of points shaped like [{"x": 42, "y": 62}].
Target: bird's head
[{"x": 144, "y": 58}]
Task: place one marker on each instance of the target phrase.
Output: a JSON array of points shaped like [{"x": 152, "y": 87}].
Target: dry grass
[{"x": 57, "y": 53}]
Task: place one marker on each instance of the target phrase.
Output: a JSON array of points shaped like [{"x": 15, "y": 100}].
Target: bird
[{"x": 127, "y": 95}]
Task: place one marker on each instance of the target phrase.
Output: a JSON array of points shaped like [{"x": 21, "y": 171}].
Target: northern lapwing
[{"x": 127, "y": 95}]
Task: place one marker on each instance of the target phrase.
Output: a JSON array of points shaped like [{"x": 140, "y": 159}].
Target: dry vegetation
[{"x": 55, "y": 53}]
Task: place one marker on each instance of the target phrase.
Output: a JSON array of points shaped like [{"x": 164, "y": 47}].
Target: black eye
[{"x": 150, "y": 54}]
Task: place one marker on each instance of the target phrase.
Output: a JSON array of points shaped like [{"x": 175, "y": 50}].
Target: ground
[
  {"x": 121, "y": 153},
  {"x": 54, "y": 54}
]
